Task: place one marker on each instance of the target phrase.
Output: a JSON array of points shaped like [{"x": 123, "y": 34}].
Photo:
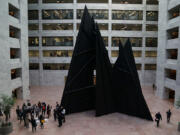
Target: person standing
[
  {"x": 168, "y": 113},
  {"x": 63, "y": 112},
  {"x": 18, "y": 112},
  {"x": 27, "y": 120},
  {"x": 33, "y": 124},
  {"x": 59, "y": 119},
  {"x": 158, "y": 118},
  {"x": 55, "y": 114},
  {"x": 41, "y": 119},
  {"x": 48, "y": 111}
]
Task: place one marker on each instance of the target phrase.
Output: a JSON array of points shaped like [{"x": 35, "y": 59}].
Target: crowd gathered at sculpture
[{"x": 38, "y": 114}]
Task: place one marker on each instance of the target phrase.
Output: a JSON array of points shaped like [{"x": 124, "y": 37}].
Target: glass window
[
  {"x": 135, "y": 41},
  {"x": 170, "y": 73},
  {"x": 151, "y": 27},
  {"x": 115, "y": 53},
  {"x": 57, "y": 26},
  {"x": 137, "y": 53},
  {"x": 127, "y": 27},
  {"x": 127, "y": 1},
  {"x": 57, "y": 14},
  {"x": 152, "y": 2},
  {"x": 33, "y": 53},
  {"x": 105, "y": 39},
  {"x": 55, "y": 66},
  {"x": 151, "y": 42},
  {"x": 172, "y": 53},
  {"x": 92, "y": 1},
  {"x": 102, "y": 26},
  {"x": 33, "y": 41},
  {"x": 57, "y": 41},
  {"x": 15, "y": 73},
  {"x": 151, "y": 53},
  {"x": 152, "y": 16},
  {"x": 57, "y": 1},
  {"x": 58, "y": 53},
  {"x": 32, "y": 1},
  {"x": 13, "y": 11},
  {"x": 173, "y": 33},
  {"x": 138, "y": 66},
  {"x": 33, "y": 15},
  {"x": 150, "y": 67},
  {"x": 14, "y": 53},
  {"x": 96, "y": 13},
  {"x": 14, "y": 32},
  {"x": 127, "y": 15},
  {"x": 33, "y": 66},
  {"x": 175, "y": 12},
  {"x": 34, "y": 26}
]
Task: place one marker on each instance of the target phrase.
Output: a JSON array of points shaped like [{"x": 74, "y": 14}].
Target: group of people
[
  {"x": 33, "y": 114},
  {"x": 158, "y": 117},
  {"x": 38, "y": 113}
]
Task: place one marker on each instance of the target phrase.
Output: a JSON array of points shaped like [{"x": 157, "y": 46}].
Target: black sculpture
[
  {"x": 128, "y": 94},
  {"x": 79, "y": 91},
  {"x": 116, "y": 90}
]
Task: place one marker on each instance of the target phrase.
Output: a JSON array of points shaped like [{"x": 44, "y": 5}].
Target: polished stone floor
[{"x": 114, "y": 124}]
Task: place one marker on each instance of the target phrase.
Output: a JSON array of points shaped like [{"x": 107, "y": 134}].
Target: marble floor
[{"x": 114, "y": 124}]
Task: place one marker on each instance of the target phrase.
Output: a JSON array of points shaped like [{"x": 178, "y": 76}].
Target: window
[
  {"x": 13, "y": 11},
  {"x": 14, "y": 32},
  {"x": 173, "y": 33},
  {"x": 55, "y": 66},
  {"x": 127, "y": 15},
  {"x": 137, "y": 53},
  {"x": 96, "y": 13},
  {"x": 102, "y": 26},
  {"x": 151, "y": 54},
  {"x": 127, "y": 1},
  {"x": 57, "y": 14},
  {"x": 57, "y": 53},
  {"x": 33, "y": 15},
  {"x": 175, "y": 12},
  {"x": 33, "y": 53},
  {"x": 34, "y": 26},
  {"x": 152, "y": 2},
  {"x": 57, "y": 41},
  {"x": 170, "y": 73},
  {"x": 14, "y": 53},
  {"x": 151, "y": 42},
  {"x": 152, "y": 16},
  {"x": 15, "y": 73},
  {"x": 33, "y": 41},
  {"x": 115, "y": 53},
  {"x": 57, "y": 1},
  {"x": 151, "y": 27},
  {"x": 105, "y": 39},
  {"x": 138, "y": 66},
  {"x": 127, "y": 27},
  {"x": 33, "y": 66},
  {"x": 32, "y": 1},
  {"x": 92, "y": 1},
  {"x": 172, "y": 53},
  {"x": 135, "y": 41},
  {"x": 57, "y": 26},
  {"x": 150, "y": 67}
]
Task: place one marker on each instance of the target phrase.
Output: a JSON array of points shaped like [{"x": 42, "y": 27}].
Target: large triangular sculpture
[
  {"x": 104, "y": 96},
  {"x": 79, "y": 91},
  {"x": 128, "y": 94},
  {"x": 116, "y": 90}
]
